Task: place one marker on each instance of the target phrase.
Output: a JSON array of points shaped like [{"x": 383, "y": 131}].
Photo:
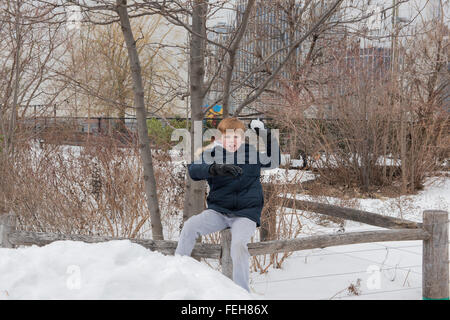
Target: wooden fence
[{"x": 433, "y": 232}]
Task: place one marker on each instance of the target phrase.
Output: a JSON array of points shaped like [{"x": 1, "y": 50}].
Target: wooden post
[
  {"x": 225, "y": 255},
  {"x": 7, "y": 225},
  {"x": 435, "y": 273}
]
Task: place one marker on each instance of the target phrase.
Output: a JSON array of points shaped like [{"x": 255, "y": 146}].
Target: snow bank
[{"x": 110, "y": 270}]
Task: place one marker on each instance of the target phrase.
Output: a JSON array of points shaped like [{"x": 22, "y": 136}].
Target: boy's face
[{"x": 232, "y": 140}]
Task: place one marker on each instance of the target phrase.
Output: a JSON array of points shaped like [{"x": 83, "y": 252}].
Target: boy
[{"x": 235, "y": 198}]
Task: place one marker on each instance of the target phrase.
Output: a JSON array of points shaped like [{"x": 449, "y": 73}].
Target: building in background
[{"x": 272, "y": 30}]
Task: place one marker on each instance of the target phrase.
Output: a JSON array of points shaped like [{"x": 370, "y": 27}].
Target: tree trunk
[
  {"x": 195, "y": 190},
  {"x": 144, "y": 146},
  {"x": 13, "y": 119}
]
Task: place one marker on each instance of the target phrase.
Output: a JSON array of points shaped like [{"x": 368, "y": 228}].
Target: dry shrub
[
  {"x": 277, "y": 223},
  {"x": 170, "y": 179},
  {"x": 354, "y": 289},
  {"x": 373, "y": 136},
  {"x": 369, "y": 116},
  {"x": 93, "y": 189}
]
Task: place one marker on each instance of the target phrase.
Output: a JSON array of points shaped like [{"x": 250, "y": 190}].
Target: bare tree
[
  {"x": 141, "y": 115},
  {"x": 30, "y": 48}
]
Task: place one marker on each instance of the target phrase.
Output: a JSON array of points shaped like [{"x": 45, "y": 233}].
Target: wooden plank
[
  {"x": 435, "y": 273},
  {"x": 201, "y": 250},
  {"x": 7, "y": 226},
  {"x": 225, "y": 257},
  {"x": 330, "y": 240},
  {"x": 370, "y": 218}
]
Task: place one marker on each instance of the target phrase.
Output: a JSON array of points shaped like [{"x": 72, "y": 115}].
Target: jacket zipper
[{"x": 235, "y": 192}]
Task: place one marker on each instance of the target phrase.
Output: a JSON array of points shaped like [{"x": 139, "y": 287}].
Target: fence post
[
  {"x": 225, "y": 254},
  {"x": 435, "y": 273},
  {"x": 7, "y": 225}
]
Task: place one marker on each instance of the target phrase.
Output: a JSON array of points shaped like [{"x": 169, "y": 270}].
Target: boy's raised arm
[{"x": 273, "y": 152}]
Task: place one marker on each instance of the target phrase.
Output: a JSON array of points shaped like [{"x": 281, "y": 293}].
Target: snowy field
[{"x": 383, "y": 270}]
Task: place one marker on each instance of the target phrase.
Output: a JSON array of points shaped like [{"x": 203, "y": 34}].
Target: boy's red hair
[{"x": 230, "y": 123}]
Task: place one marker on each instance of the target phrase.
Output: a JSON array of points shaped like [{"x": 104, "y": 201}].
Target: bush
[
  {"x": 160, "y": 132},
  {"x": 93, "y": 189},
  {"x": 373, "y": 138}
]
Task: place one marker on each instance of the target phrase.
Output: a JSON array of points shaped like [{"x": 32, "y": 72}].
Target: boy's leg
[
  {"x": 242, "y": 229},
  {"x": 206, "y": 222}
]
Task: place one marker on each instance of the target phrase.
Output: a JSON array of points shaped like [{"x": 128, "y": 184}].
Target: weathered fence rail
[
  {"x": 329, "y": 240},
  {"x": 17, "y": 238},
  {"x": 433, "y": 232},
  {"x": 373, "y": 219}
]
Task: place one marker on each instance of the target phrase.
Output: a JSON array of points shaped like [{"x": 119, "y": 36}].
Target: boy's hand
[
  {"x": 257, "y": 125},
  {"x": 225, "y": 170}
]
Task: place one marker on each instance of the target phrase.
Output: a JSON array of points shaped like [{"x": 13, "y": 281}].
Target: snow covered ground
[
  {"x": 278, "y": 175},
  {"x": 384, "y": 270}
]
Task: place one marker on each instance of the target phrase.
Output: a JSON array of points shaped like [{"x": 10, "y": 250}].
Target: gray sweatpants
[{"x": 209, "y": 221}]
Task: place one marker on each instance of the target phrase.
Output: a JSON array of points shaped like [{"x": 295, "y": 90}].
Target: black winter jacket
[{"x": 242, "y": 195}]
